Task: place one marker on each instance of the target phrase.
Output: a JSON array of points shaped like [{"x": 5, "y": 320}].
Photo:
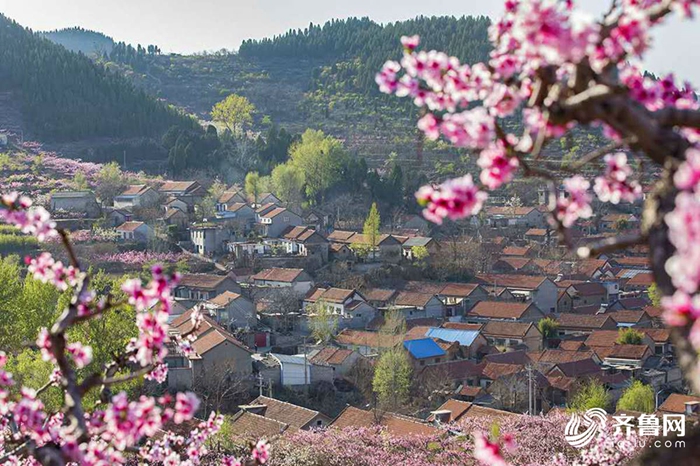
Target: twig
[
  {"x": 610, "y": 245},
  {"x": 593, "y": 155}
]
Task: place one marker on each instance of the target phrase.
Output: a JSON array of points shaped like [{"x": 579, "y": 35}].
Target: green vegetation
[
  {"x": 629, "y": 336},
  {"x": 392, "y": 378},
  {"x": 371, "y": 228},
  {"x": 65, "y": 96},
  {"x": 235, "y": 112},
  {"x": 548, "y": 327},
  {"x": 592, "y": 394},
  {"x": 637, "y": 397}
]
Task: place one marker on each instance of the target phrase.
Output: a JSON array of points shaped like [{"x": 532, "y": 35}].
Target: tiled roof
[
  {"x": 628, "y": 317},
  {"x": 516, "y": 263},
  {"x": 299, "y": 233},
  {"x": 571, "y": 345},
  {"x": 520, "y": 358},
  {"x": 558, "y": 356},
  {"x": 536, "y": 232},
  {"x": 516, "y": 251},
  {"x": 468, "y": 390},
  {"x": 235, "y": 207},
  {"x": 463, "y": 409},
  {"x": 457, "y": 370},
  {"x": 578, "y": 368},
  {"x": 225, "y": 298},
  {"x": 495, "y": 371},
  {"x": 287, "y": 413},
  {"x": 602, "y": 338},
  {"x": 633, "y": 303},
  {"x": 417, "y": 333},
  {"x": 588, "y": 289},
  {"x": 332, "y": 356},
  {"x": 509, "y": 211},
  {"x": 622, "y": 351},
  {"x": 506, "y": 329},
  {"x": 134, "y": 190},
  {"x": 228, "y": 195},
  {"x": 499, "y": 309},
  {"x": 395, "y": 424},
  {"x": 570, "y": 320},
  {"x": 631, "y": 261},
  {"x": 675, "y": 403},
  {"x": 337, "y": 247},
  {"x": 655, "y": 312},
  {"x": 463, "y": 326},
  {"x": 523, "y": 282},
  {"x": 417, "y": 241},
  {"x": 331, "y": 295},
  {"x": 177, "y": 186},
  {"x": 659, "y": 335},
  {"x": 371, "y": 339},
  {"x": 278, "y": 275},
  {"x": 201, "y": 280},
  {"x": 274, "y": 212},
  {"x": 265, "y": 208},
  {"x": 340, "y": 235},
  {"x": 378, "y": 294},
  {"x": 129, "y": 226},
  {"x": 248, "y": 426},
  {"x": 641, "y": 279},
  {"x": 410, "y": 298},
  {"x": 461, "y": 290}
]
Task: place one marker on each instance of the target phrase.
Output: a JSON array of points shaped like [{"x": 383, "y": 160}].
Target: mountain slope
[
  {"x": 65, "y": 96},
  {"x": 80, "y": 40}
]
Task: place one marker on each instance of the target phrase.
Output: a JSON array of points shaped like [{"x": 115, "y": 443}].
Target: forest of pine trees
[
  {"x": 373, "y": 43},
  {"x": 65, "y": 96}
]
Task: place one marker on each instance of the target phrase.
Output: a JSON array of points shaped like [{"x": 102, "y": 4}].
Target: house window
[
  {"x": 422, "y": 363},
  {"x": 319, "y": 422},
  {"x": 286, "y": 219},
  {"x": 436, "y": 360}
]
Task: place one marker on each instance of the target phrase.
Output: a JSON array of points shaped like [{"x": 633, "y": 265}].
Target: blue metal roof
[
  {"x": 423, "y": 348},
  {"x": 464, "y": 337}
]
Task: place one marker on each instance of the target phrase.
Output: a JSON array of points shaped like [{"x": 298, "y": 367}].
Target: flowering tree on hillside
[
  {"x": 558, "y": 68},
  {"x": 119, "y": 429}
]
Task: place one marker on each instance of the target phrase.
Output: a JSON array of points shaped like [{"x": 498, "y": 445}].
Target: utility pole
[
  {"x": 530, "y": 400},
  {"x": 269, "y": 388},
  {"x": 260, "y": 383}
]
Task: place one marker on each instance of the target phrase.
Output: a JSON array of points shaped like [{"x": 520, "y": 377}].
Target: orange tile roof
[
  {"x": 331, "y": 295},
  {"x": 462, "y": 290},
  {"x": 411, "y": 298},
  {"x": 288, "y": 413},
  {"x": 278, "y": 275},
  {"x": 225, "y": 298},
  {"x": 516, "y": 250},
  {"x": 134, "y": 190},
  {"x": 378, "y": 294},
  {"x": 332, "y": 356},
  {"x": 370, "y": 339},
  {"x": 463, "y": 409},
  {"x": 499, "y": 309},
  {"x": 494, "y": 370},
  {"x": 463, "y": 326},
  {"x": 210, "y": 340},
  {"x": 675, "y": 403},
  {"x": 659, "y": 335},
  {"x": 247, "y": 426},
  {"x": 622, "y": 351},
  {"x": 570, "y": 320},
  {"x": 201, "y": 280},
  {"x": 506, "y": 329},
  {"x": 523, "y": 282},
  {"x": 130, "y": 226},
  {"x": 394, "y": 423}
]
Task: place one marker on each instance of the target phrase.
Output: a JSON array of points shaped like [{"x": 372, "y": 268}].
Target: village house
[
  {"x": 349, "y": 305},
  {"x": 631, "y": 318},
  {"x": 578, "y": 324},
  {"x": 175, "y": 217},
  {"x": 519, "y": 251},
  {"x": 470, "y": 342},
  {"x": 424, "y": 351},
  {"x": 297, "y": 371},
  {"x": 380, "y": 298},
  {"x": 540, "y": 290},
  {"x": 640, "y": 282},
  {"x": 228, "y": 199},
  {"x": 274, "y": 222},
  {"x": 587, "y": 294},
  {"x": 76, "y": 202},
  {"x": 241, "y": 214},
  {"x": 136, "y": 196},
  {"x": 340, "y": 252},
  {"x": 174, "y": 203},
  {"x": 676, "y": 403},
  {"x": 305, "y": 241},
  {"x": 529, "y": 217},
  {"x": 431, "y": 246},
  {"x": 456, "y": 410},
  {"x": 661, "y": 338},
  {"x": 499, "y": 310},
  {"x": 189, "y": 192},
  {"x": 115, "y": 217},
  {"x": 515, "y": 264},
  {"x": 458, "y": 298},
  {"x": 216, "y": 354},
  {"x": 512, "y": 335},
  {"x": 395, "y": 424},
  {"x": 543, "y": 236},
  {"x": 232, "y": 310},
  {"x": 209, "y": 239},
  {"x": 388, "y": 247},
  {"x": 414, "y": 305},
  {"x": 297, "y": 279},
  {"x": 367, "y": 343},
  {"x": 341, "y": 360},
  {"x": 296, "y": 417},
  {"x": 269, "y": 198},
  {"x": 203, "y": 287},
  {"x": 247, "y": 427},
  {"x": 134, "y": 231}
]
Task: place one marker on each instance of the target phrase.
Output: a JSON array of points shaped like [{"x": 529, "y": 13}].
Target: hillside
[
  {"x": 321, "y": 77},
  {"x": 64, "y": 96},
  {"x": 81, "y": 40}
]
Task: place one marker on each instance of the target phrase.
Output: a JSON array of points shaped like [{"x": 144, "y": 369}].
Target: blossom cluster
[
  {"x": 141, "y": 257},
  {"x": 48, "y": 270},
  {"x": 454, "y": 199},
  {"x": 616, "y": 185},
  {"x": 18, "y": 211}
]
